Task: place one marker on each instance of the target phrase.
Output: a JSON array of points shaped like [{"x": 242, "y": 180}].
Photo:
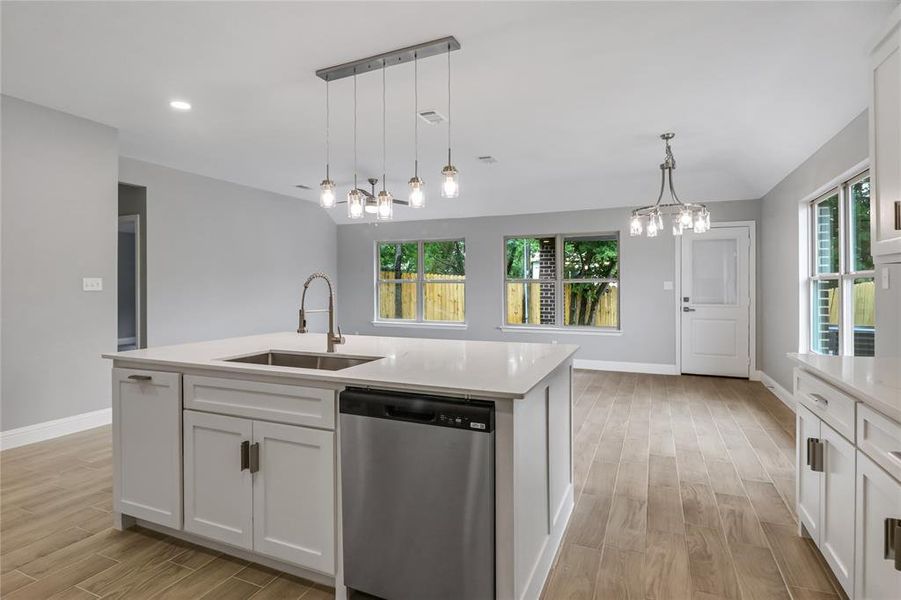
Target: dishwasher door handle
[{"x": 423, "y": 416}]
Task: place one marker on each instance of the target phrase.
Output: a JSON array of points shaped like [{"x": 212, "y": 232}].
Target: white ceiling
[{"x": 569, "y": 97}]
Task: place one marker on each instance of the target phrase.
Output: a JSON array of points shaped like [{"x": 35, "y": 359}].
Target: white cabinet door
[
  {"x": 147, "y": 445},
  {"x": 294, "y": 495},
  {"x": 218, "y": 487},
  {"x": 837, "y": 506},
  {"x": 878, "y": 499},
  {"x": 808, "y": 428}
]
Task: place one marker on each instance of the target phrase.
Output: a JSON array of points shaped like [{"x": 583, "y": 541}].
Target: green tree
[{"x": 588, "y": 259}]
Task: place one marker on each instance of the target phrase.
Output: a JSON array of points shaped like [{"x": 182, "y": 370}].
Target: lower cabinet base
[{"x": 314, "y": 576}]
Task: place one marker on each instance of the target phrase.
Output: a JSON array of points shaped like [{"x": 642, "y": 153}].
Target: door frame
[
  {"x": 139, "y": 318},
  {"x": 753, "y": 373}
]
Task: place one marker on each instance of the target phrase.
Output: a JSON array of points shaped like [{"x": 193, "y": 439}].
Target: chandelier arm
[
  {"x": 662, "y": 182},
  {"x": 672, "y": 190}
]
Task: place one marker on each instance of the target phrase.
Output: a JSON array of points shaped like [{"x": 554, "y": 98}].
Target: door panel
[
  {"x": 716, "y": 302},
  {"x": 837, "y": 505},
  {"x": 294, "y": 495},
  {"x": 218, "y": 491},
  {"x": 878, "y": 499},
  {"x": 147, "y": 445},
  {"x": 808, "y": 480}
]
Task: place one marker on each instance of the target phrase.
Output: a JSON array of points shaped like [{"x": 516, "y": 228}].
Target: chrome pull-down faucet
[{"x": 302, "y": 324}]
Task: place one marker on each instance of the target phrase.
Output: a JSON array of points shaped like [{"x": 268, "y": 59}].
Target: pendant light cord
[
  {"x": 327, "y": 148},
  {"x": 355, "y": 129},
  {"x": 415, "y": 114},
  {"x": 384, "y": 128},
  {"x": 448, "y": 104}
]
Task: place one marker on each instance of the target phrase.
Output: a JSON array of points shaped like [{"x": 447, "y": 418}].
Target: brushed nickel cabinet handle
[
  {"x": 245, "y": 455},
  {"x": 818, "y": 459},
  {"x": 895, "y": 454},
  {"x": 254, "y": 457},
  {"x": 140, "y": 377},
  {"x": 893, "y": 542},
  {"x": 819, "y": 400},
  {"x": 810, "y": 450}
]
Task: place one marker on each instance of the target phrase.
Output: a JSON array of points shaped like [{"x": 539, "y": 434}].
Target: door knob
[{"x": 686, "y": 309}]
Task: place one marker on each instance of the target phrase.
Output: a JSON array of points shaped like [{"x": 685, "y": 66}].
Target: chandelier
[
  {"x": 359, "y": 201},
  {"x": 685, "y": 215}
]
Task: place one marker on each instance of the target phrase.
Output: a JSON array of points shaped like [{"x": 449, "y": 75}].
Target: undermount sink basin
[{"x": 304, "y": 360}]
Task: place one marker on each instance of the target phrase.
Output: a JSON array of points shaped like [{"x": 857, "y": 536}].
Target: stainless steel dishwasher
[{"x": 417, "y": 476}]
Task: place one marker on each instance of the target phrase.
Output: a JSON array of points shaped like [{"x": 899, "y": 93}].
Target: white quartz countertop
[
  {"x": 454, "y": 367},
  {"x": 874, "y": 381}
]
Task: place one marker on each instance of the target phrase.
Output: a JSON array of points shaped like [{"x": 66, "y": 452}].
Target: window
[
  {"x": 581, "y": 290},
  {"x": 842, "y": 284},
  {"x": 421, "y": 281}
]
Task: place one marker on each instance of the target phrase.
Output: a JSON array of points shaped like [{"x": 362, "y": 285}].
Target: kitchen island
[{"x": 236, "y": 444}]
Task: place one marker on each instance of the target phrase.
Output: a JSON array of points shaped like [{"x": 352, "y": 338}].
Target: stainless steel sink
[{"x": 303, "y": 360}]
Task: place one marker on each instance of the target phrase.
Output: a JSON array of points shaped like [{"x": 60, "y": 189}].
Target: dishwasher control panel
[
  {"x": 470, "y": 415},
  {"x": 463, "y": 421}
]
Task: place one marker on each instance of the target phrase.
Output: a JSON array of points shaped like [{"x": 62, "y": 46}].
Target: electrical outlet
[
  {"x": 667, "y": 285},
  {"x": 92, "y": 284}
]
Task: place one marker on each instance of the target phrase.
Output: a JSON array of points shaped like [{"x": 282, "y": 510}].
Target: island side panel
[{"x": 542, "y": 478}]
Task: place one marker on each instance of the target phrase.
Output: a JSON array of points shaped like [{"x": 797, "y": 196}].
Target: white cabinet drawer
[
  {"x": 879, "y": 438},
  {"x": 829, "y": 403},
  {"x": 298, "y": 405}
]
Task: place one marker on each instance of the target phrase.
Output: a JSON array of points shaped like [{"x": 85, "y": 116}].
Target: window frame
[
  {"x": 419, "y": 281},
  {"x": 559, "y": 283},
  {"x": 846, "y": 275}
]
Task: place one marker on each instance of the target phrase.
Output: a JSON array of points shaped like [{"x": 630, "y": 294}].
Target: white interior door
[{"x": 715, "y": 302}]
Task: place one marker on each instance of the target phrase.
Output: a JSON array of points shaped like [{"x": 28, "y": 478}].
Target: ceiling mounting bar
[{"x": 389, "y": 59}]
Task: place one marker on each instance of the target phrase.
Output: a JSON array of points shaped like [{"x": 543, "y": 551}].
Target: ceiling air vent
[
  {"x": 301, "y": 186},
  {"x": 432, "y": 117},
  {"x": 487, "y": 159}
]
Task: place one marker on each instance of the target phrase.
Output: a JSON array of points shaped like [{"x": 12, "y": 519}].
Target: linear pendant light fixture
[
  {"x": 359, "y": 201},
  {"x": 685, "y": 215}
]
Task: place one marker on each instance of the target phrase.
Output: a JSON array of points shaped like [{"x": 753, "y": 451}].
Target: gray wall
[
  {"x": 59, "y": 225},
  {"x": 782, "y": 284},
  {"x": 133, "y": 201},
  {"x": 226, "y": 260},
  {"x": 647, "y": 310}
]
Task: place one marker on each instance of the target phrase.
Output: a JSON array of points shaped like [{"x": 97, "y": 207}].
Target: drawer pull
[
  {"x": 819, "y": 400},
  {"x": 245, "y": 455},
  {"x": 893, "y": 542},
  {"x": 894, "y": 454},
  {"x": 140, "y": 377}
]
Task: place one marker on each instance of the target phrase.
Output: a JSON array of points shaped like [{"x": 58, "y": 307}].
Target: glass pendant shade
[
  {"x": 685, "y": 218},
  {"x": 635, "y": 226},
  {"x": 450, "y": 186},
  {"x": 677, "y": 225},
  {"x": 417, "y": 194},
  {"x": 659, "y": 219},
  {"x": 370, "y": 206},
  {"x": 653, "y": 227},
  {"x": 702, "y": 221},
  {"x": 385, "y": 206},
  {"x": 327, "y": 193},
  {"x": 354, "y": 204}
]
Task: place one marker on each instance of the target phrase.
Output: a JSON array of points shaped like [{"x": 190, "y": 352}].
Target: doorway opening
[
  {"x": 716, "y": 320},
  {"x": 132, "y": 267}
]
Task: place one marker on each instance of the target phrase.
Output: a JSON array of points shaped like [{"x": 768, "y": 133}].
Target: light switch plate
[
  {"x": 92, "y": 284},
  {"x": 667, "y": 285},
  {"x": 885, "y": 283}
]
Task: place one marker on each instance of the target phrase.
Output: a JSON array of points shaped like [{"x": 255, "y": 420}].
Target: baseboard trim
[
  {"x": 48, "y": 430},
  {"x": 780, "y": 392},
  {"x": 625, "y": 367}
]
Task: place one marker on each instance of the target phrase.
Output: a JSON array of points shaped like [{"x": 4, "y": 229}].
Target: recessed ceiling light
[{"x": 180, "y": 105}]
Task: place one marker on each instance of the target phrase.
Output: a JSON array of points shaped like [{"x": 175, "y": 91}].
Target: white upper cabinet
[
  {"x": 885, "y": 142},
  {"x": 218, "y": 479},
  {"x": 147, "y": 445}
]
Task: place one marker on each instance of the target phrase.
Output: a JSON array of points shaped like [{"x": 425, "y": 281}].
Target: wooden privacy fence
[
  {"x": 864, "y": 304},
  {"x": 606, "y": 315},
  {"x": 442, "y": 301}
]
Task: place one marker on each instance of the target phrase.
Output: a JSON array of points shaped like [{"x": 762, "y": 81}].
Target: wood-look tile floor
[{"x": 683, "y": 490}]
